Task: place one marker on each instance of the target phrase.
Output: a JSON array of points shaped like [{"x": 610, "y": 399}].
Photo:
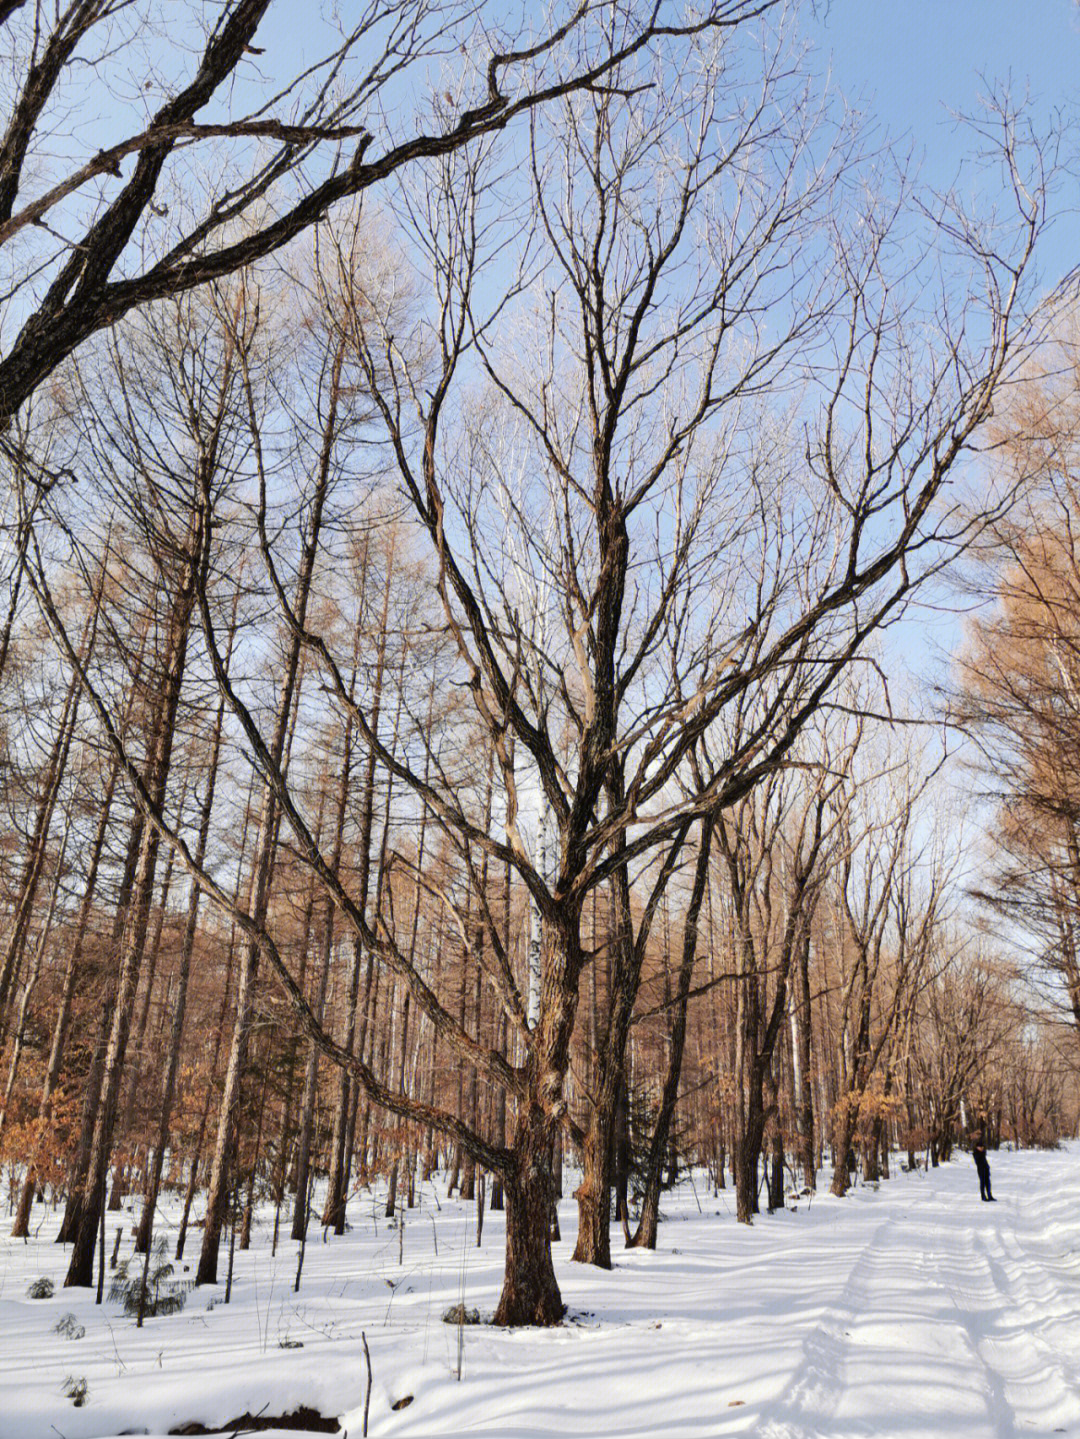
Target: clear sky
[
  {"x": 911, "y": 64},
  {"x": 914, "y": 58}
]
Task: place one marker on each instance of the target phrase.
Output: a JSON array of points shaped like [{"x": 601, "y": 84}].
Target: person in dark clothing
[{"x": 982, "y": 1164}]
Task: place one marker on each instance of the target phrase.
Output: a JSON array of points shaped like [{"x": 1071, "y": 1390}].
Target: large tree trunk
[
  {"x": 776, "y": 1141},
  {"x": 593, "y": 1194},
  {"x": 746, "y": 1150},
  {"x": 530, "y": 1293},
  {"x": 845, "y": 1123}
]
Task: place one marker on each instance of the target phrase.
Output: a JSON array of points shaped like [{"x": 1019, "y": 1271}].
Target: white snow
[{"x": 908, "y": 1310}]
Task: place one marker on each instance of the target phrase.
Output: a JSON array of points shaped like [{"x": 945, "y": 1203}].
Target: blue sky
[
  {"x": 914, "y": 58},
  {"x": 910, "y": 64}
]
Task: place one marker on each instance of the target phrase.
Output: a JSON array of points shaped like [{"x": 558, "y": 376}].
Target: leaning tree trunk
[
  {"x": 72, "y": 973},
  {"x": 11, "y": 959},
  {"x": 18, "y": 1037},
  {"x": 72, "y": 978},
  {"x": 15, "y": 579}
]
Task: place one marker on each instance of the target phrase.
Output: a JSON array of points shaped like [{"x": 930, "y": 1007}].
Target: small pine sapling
[
  {"x": 69, "y": 1327},
  {"x": 77, "y": 1390},
  {"x": 154, "y": 1295}
]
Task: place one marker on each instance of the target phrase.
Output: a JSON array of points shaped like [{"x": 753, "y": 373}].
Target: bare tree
[
  {"x": 91, "y": 232},
  {"x": 776, "y": 847},
  {"x": 600, "y": 729},
  {"x": 636, "y": 533}
]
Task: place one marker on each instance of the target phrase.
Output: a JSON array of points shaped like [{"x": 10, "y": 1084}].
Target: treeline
[{"x": 806, "y": 988}]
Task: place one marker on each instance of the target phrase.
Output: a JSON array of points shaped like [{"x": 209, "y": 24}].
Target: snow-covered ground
[{"x": 908, "y": 1310}]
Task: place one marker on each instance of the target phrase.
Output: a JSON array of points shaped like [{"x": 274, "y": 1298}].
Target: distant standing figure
[{"x": 982, "y": 1164}]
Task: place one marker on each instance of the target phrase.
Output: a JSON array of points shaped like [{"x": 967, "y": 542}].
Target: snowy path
[
  {"x": 908, "y": 1312},
  {"x": 950, "y": 1322}
]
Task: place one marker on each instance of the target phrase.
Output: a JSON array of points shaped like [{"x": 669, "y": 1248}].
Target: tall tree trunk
[
  {"x": 269, "y": 820},
  {"x": 801, "y": 1066},
  {"x": 204, "y": 1116},
  {"x": 848, "y": 1107},
  {"x": 80, "y": 1269},
  {"x": 30, "y": 984},
  {"x": 748, "y": 1106},
  {"x": 311, "y": 1072},
  {"x": 225, "y": 1145},
  {"x": 34, "y": 864},
  {"x": 72, "y": 972},
  {"x": 342, "y": 1142},
  {"x": 645, "y": 1235},
  {"x": 172, "y": 1062},
  {"x": 137, "y": 1046},
  {"x": 776, "y": 1138},
  {"x": 594, "y": 1193},
  {"x": 92, "y": 1085}
]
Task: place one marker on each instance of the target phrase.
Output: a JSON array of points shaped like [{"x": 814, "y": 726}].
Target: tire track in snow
[
  {"x": 818, "y": 1382},
  {"x": 949, "y": 1323},
  {"x": 962, "y": 1272},
  {"x": 1043, "y": 1381}
]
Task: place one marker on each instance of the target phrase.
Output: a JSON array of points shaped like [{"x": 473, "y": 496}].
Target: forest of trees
[{"x": 448, "y": 585}]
